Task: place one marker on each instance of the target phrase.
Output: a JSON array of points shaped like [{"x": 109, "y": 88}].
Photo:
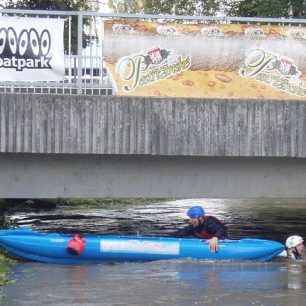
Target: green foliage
[
  {"x": 298, "y": 8},
  {"x": 170, "y": 7},
  {"x": 241, "y": 8},
  {"x": 183, "y": 7},
  {"x": 104, "y": 202},
  {"x": 77, "y": 202},
  {"x": 123, "y": 6},
  {"x": 264, "y": 8},
  {"x": 5, "y": 264},
  {"x": 60, "y": 5},
  {"x": 261, "y": 8}
]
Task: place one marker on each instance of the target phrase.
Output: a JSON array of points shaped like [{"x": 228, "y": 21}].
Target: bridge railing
[{"x": 85, "y": 69}]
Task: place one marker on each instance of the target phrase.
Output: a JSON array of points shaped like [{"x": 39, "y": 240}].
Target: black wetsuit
[{"x": 211, "y": 227}]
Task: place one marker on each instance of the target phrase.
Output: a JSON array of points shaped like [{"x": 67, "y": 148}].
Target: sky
[{"x": 103, "y": 6}]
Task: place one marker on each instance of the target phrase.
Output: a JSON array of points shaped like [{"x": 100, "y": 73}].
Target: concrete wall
[
  {"x": 86, "y": 176},
  {"x": 85, "y": 146},
  {"x": 120, "y": 125}
]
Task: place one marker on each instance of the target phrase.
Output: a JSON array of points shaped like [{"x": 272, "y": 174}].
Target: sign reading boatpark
[{"x": 31, "y": 49}]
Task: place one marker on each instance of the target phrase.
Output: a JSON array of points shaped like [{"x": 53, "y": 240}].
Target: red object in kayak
[{"x": 76, "y": 245}]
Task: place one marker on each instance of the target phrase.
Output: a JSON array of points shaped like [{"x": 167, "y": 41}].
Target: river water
[{"x": 173, "y": 282}]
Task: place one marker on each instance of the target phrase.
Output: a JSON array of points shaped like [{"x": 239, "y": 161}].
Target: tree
[
  {"x": 241, "y": 8},
  {"x": 60, "y": 5},
  {"x": 126, "y": 6},
  {"x": 298, "y": 8},
  {"x": 271, "y": 8},
  {"x": 170, "y": 7}
]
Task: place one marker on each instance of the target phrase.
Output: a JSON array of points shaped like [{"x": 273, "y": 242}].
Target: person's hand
[{"x": 213, "y": 244}]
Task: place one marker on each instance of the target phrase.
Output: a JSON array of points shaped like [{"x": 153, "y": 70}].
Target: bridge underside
[{"x": 26, "y": 175}]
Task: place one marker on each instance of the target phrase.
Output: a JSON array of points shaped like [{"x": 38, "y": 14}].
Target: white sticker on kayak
[
  {"x": 57, "y": 240},
  {"x": 138, "y": 246}
]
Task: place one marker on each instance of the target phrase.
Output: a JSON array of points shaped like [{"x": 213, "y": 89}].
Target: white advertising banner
[
  {"x": 232, "y": 61},
  {"x": 31, "y": 49}
]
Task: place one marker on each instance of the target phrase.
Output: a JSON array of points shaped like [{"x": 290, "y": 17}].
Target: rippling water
[
  {"x": 273, "y": 219},
  {"x": 175, "y": 282}
]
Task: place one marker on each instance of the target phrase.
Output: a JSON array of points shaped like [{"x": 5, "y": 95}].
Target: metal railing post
[
  {"x": 80, "y": 49},
  {"x": 69, "y": 50}
]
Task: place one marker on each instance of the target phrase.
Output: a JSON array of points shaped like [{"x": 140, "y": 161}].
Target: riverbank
[
  {"x": 6, "y": 264},
  {"x": 14, "y": 204}
]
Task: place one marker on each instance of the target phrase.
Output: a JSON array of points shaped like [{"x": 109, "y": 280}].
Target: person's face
[
  {"x": 300, "y": 248},
  {"x": 194, "y": 221}
]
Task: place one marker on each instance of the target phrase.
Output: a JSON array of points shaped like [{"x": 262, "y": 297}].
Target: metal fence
[{"x": 85, "y": 71}]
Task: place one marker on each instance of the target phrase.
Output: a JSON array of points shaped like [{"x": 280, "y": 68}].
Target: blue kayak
[{"x": 52, "y": 248}]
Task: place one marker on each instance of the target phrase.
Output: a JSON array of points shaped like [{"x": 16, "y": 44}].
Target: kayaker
[
  {"x": 203, "y": 227},
  {"x": 295, "y": 248}
]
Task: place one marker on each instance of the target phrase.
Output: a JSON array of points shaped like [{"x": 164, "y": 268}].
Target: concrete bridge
[{"x": 111, "y": 146}]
